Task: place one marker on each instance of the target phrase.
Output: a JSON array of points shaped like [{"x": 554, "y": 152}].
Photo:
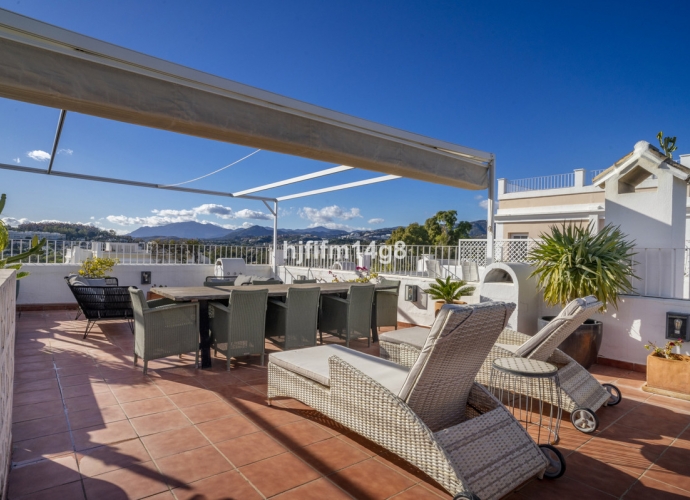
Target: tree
[{"x": 441, "y": 229}]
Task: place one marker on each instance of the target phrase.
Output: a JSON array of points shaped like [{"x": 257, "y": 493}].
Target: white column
[
  {"x": 580, "y": 177},
  {"x": 275, "y": 238}
]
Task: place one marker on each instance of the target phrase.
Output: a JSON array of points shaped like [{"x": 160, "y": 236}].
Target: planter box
[{"x": 672, "y": 376}]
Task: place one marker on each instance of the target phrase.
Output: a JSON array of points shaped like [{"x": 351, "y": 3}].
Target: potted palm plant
[
  {"x": 448, "y": 292},
  {"x": 573, "y": 262}
]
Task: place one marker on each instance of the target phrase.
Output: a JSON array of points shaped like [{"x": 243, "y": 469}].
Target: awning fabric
[{"x": 49, "y": 66}]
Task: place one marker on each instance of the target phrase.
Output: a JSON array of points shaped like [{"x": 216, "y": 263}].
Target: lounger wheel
[
  {"x": 615, "y": 394},
  {"x": 467, "y": 496},
  {"x": 556, "y": 467},
  {"x": 584, "y": 420}
]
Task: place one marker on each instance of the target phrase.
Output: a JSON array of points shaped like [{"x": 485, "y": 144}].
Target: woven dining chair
[
  {"x": 162, "y": 329},
  {"x": 295, "y": 319},
  {"x": 238, "y": 328},
  {"x": 387, "y": 304},
  {"x": 348, "y": 318}
]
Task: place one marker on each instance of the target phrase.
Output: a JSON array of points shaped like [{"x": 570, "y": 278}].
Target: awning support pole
[
  {"x": 56, "y": 141},
  {"x": 490, "y": 211}
]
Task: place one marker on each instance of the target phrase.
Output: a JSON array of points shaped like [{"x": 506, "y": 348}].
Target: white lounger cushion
[
  {"x": 414, "y": 336},
  {"x": 312, "y": 363}
]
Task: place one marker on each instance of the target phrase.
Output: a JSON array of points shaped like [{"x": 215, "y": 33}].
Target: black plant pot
[{"x": 584, "y": 343}]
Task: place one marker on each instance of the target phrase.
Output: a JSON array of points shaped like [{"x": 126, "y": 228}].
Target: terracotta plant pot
[
  {"x": 669, "y": 374},
  {"x": 440, "y": 303},
  {"x": 584, "y": 343}
]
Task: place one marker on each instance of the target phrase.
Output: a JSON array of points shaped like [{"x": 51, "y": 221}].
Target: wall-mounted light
[
  {"x": 677, "y": 326},
  {"x": 146, "y": 277},
  {"x": 411, "y": 293}
]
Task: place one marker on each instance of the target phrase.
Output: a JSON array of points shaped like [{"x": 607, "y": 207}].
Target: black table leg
[
  {"x": 374, "y": 328},
  {"x": 204, "y": 337}
]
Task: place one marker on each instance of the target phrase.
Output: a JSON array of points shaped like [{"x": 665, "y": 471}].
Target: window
[{"x": 518, "y": 236}]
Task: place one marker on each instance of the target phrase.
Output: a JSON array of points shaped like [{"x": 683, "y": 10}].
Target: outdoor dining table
[{"x": 203, "y": 294}]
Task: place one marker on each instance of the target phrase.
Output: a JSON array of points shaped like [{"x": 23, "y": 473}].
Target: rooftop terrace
[{"x": 87, "y": 424}]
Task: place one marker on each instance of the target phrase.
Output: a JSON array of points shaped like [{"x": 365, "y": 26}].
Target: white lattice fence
[
  {"x": 512, "y": 250},
  {"x": 7, "y": 313}
]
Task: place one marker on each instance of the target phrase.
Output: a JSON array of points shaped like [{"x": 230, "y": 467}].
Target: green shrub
[{"x": 97, "y": 267}]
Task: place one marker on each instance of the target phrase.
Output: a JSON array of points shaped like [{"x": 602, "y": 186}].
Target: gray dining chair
[
  {"x": 387, "y": 304},
  {"x": 348, "y": 318},
  {"x": 162, "y": 329},
  {"x": 238, "y": 328},
  {"x": 295, "y": 319}
]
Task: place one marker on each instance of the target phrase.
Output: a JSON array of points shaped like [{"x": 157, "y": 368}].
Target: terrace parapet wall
[{"x": 8, "y": 292}]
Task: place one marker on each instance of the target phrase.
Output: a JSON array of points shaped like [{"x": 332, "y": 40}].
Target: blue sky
[{"x": 546, "y": 86}]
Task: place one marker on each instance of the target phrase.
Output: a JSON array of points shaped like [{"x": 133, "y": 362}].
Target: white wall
[{"x": 46, "y": 284}]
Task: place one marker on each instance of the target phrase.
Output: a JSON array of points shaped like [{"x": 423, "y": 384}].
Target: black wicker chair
[{"x": 102, "y": 303}]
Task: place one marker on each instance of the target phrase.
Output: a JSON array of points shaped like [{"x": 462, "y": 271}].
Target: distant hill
[
  {"x": 187, "y": 230},
  {"x": 478, "y": 229},
  {"x": 72, "y": 232}
]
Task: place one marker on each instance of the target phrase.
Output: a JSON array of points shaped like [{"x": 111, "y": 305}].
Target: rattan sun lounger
[
  {"x": 581, "y": 394},
  {"x": 431, "y": 414}
]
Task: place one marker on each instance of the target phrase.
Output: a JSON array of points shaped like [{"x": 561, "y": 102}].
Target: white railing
[
  {"x": 75, "y": 252},
  {"x": 555, "y": 181},
  {"x": 591, "y": 174}
]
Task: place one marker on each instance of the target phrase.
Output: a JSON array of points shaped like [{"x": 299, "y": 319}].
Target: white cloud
[
  {"x": 38, "y": 155},
  {"x": 252, "y": 214},
  {"x": 65, "y": 152},
  {"x": 327, "y": 215},
  {"x": 479, "y": 197},
  {"x": 245, "y": 225},
  {"x": 484, "y": 203},
  {"x": 17, "y": 160},
  {"x": 11, "y": 221},
  {"x": 376, "y": 221}
]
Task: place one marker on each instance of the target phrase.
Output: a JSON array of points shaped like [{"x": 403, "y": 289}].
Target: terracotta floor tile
[
  {"x": 129, "y": 394},
  {"x": 95, "y": 416},
  {"x": 250, "y": 448},
  {"x": 36, "y": 385},
  {"x": 621, "y": 454},
  {"x": 174, "y": 441},
  {"x": 611, "y": 479},
  {"x": 96, "y": 461},
  {"x": 182, "y": 385},
  {"x": 99, "y": 400},
  {"x": 361, "y": 444},
  {"x": 192, "y": 398},
  {"x": 147, "y": 407},
  {"x": 113, "y": 432},
  {"x": 562, "y": 488},
  {"x": 46, "y": 426},
  {"x": 193, "y": 465},
  {"x": 45, "y": 446},
  {"x": 663, "y": 421},
  {"x": 33, "y": 375},
  {"x": 160, "y": 422},
  {"x": 32, "y": 397},
  {"x": 273, "y": 416},
  {"x": 137, "y": 481},
  {"x": 648, "y": 488},
  {"x": 371, "y": 480},
  {"x": 297, "y": 434},
  {"x": 608, "y": 414},
  {"x": 320, "y": 490},
  {"x": 208, "y": 411},
  {"x": 220, "y": 487},
  {"x": 673, "y": 468},
  {"x": 417, "y": 493},
  {"x": 330, "y": 455},
  {"x": 227, "y": 428},
  {"x": 84, "y": 390},
  {"x": 88, "y": 367},
  {"x": 287, "y": 472},
  {"x": 37, "y": 410},
  {"x": 42, "y": 475},
  {"x": 677, "y": 405},
  {"x": 71, "y": 491},
  {"x": 243, "y": 399}
]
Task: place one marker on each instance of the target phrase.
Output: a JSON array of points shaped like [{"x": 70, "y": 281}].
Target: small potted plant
[
  {"x": 448, "y": 292},
  {"x": 97, "y": 267},
  {"x": 668, "y": 373},
  {"x": 574, "y": 262}
]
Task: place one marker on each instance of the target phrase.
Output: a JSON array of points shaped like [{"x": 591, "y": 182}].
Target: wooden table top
[{"x": 187, "y": 293}]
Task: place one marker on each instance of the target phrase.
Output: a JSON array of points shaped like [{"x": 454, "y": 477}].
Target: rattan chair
[
  {"x": 387, "y": 304},
  {"x": 348, "y": 318},
  {"x": 581, "y": 394},
  {"x": 100, "y": 302},
  {"x": 295, "y": 319},
  {"x": 238, "y": 328},
  {"x": 162, "y": 329},
  {"x": 432, "y": 414},
  {"x": 267, "y": 281}
]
